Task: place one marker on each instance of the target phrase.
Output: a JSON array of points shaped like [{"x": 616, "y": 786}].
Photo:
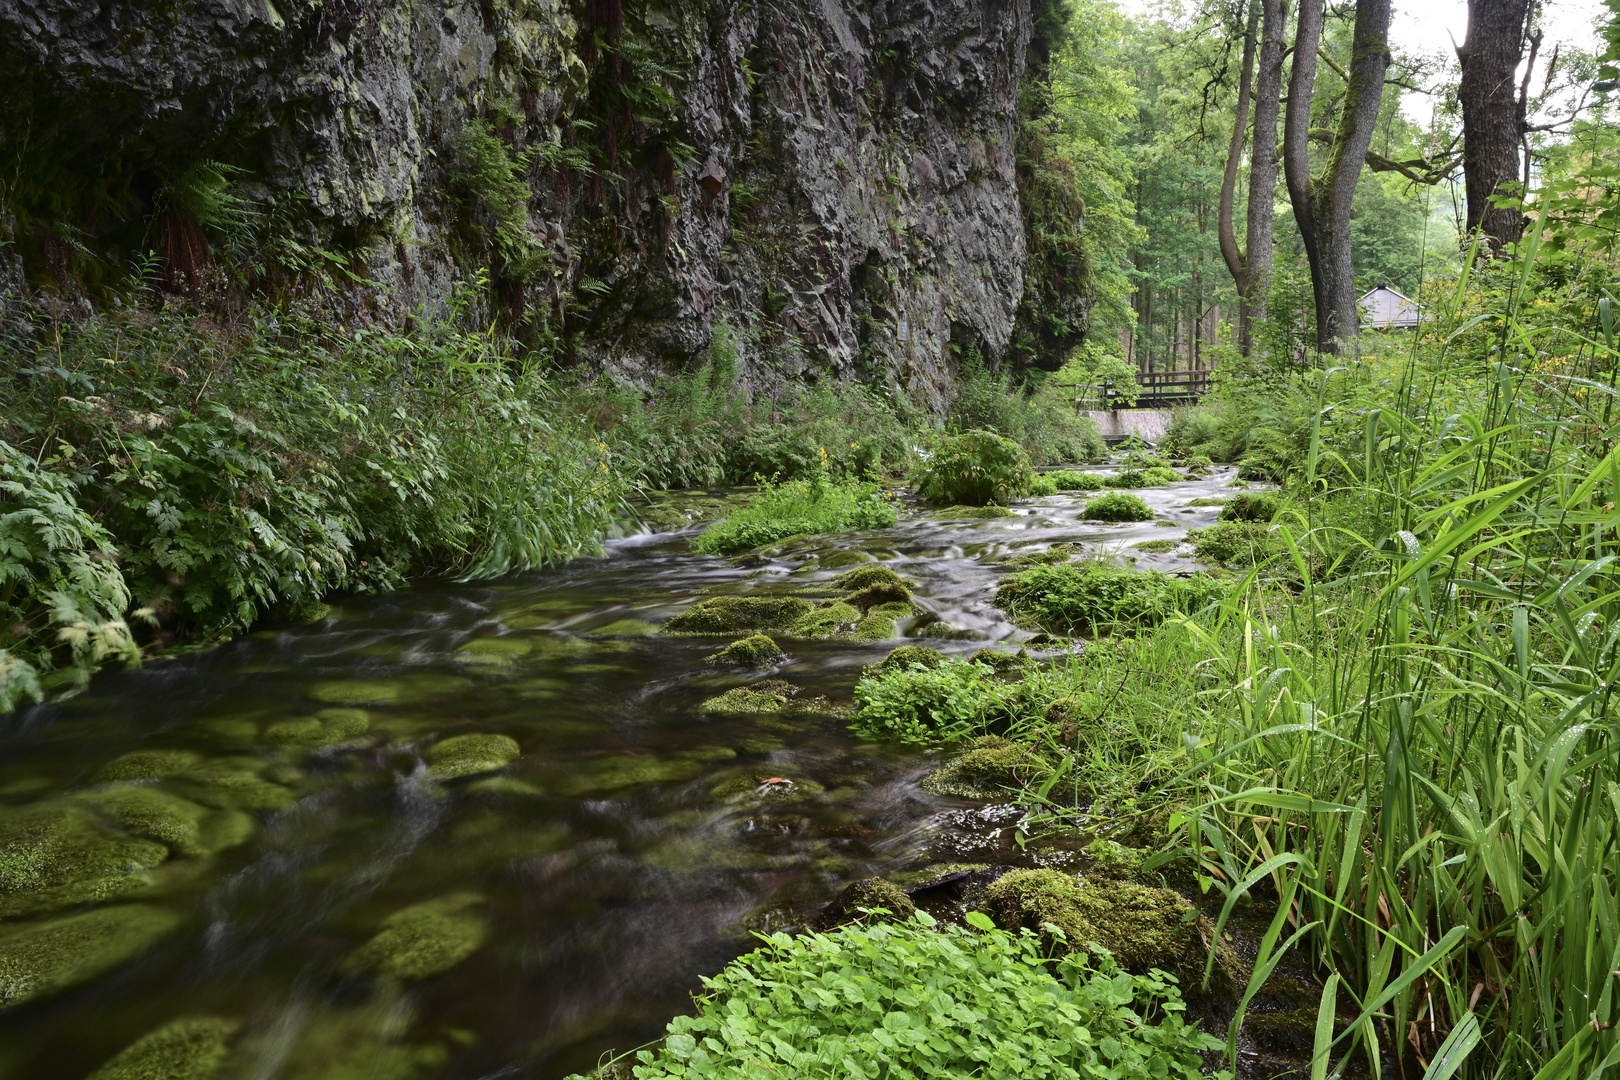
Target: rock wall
[{"x": 833, "y": 181}]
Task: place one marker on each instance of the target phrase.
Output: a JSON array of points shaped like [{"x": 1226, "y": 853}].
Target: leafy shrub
[
  {"x": 1038, "y": 419},
  {"x": 1252, "y": 506},
  {"x": 62, "y": 597},
  {"x": 1042, "y": 484},
  {"x": 916, "y": 704},
  {"x": 242, "y": 472},
  {"x": 1072, "y": 596},
  {"x": 1236, "y": 543},
  {"x": 1156, "y": 476},
  {"x": 1069, "y": 480},
  {"x": 1117, "y": 506},
  {"x": 976, "y": 468},
  {"x": 799, "y": 506},
  {"x": 1142, "y": 458},
  {"x": 910, "y": 999}
]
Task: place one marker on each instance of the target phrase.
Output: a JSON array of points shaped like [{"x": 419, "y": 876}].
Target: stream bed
[{"x": 275, "y": 842}]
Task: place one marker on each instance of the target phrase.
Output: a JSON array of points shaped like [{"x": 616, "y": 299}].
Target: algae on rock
[
  {"x": 754, "y": 651},
  {"x": 59, "y": 855},
  {"x": 466, "y": 755}
]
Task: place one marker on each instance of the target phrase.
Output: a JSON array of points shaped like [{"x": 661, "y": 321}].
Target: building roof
[{"x": 1383, "y": 308}]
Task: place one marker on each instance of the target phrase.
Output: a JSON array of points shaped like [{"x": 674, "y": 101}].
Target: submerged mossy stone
[
  {"x": 756, "y": 783},
  {"x": 60, "y": 855},
  {"x": 907, "y": 656},
  {"x": 406, "y": 690},
  {"x": 753, "y": 651},
  {"x": 423, "y": 940},
  {"x": 832, "y": 560},
  {"x": 1143, "y": 927},
  {"x": 1206, "y": 502},
  {"x": 862, "y": 901},
  {"x": 325, "y": 728},
  {"x": 972, "y": 513},
  {"x": 466, "y": 755},
  {"x": 1156, "y": 547},
  {"x": 233, "y": 783},
  {"x": 190, "y": 1049},
  {"x": 183, "y": 826},
  {"x": 744, "y": 700},
  {"x": 731, "y": 614},
  {"x": 46, "y": 957},
  {"x": 147, "y": 765},
  {"x": 881, "y": 594},
  {"x": 494, "y": 651},
  {"x": 617, "y": 773}
]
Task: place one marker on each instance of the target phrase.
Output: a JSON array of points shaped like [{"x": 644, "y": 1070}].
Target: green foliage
[
  {"x": 238, "y": 474},
  {"x": 794, "y": 507},
  {"x": 1259, "y": 506},
  {"x": 976, "y": 468},
  {"x": 62, "y": 597},
  {"x": 1157, "y": 476},
  {"x": 1074, "y": 596},
  {"x": 1069, "y": 480},
  {"x": 493, "y": 176},
  {"x": 1236, "y": 543},
  {"x": 912, "y": 999},
  {"x": 1036, "y": 416},
  {"x": 706, "y": 427},
  {"x": 1117, "y": 506},
  {"x": 916, "y": 703}
]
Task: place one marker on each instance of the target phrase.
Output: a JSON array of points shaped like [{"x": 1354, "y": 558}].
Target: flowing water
[{"x": 573, "y": 899}]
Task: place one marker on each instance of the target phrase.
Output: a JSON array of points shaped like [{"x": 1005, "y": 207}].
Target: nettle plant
[{"x": 915, "y": 999}]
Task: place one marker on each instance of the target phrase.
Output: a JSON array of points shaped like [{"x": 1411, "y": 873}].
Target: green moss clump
[
  {"x": 466, "y": 755},
  {"x": 833, "y": 619},
  {"x": 835, "y": 559},
  {"x": 995, "y": 762},
  {"x": 972, "y": 513},
  {"x": 868, "y": 895},
  {"x": 755, "y": 782},
  {"x": 180, "y": 824},
  {"x": 876, "y": 595},
  {"x": 47, "y": 957},
  {"x": 1069, "y": 480},
  {"x": 423, "y": 940},
  {"x": 997, "y": 660},
  {"x": 733, "y": 614},
  {"x": 1144, "y": 928},
  {"x": 190, "y": 1049},
  {"x": 754, "y": 651},
  {"x": 59, "y": 855},
  {"x": 1236, "y": 543},
  {"x": 911, "y": 656},
  {"x": 1259, "y": 506},
  {"x": 1117, "y": 506},
  {"x": 876, "y": 627},
  {"x": 744, "y": 700},
  {"x": 1206, "y": 502},
  {"x": 865, "y": 577},
  {"x": 147, "y": 765},
  {"x": 1155, "y": 547}
]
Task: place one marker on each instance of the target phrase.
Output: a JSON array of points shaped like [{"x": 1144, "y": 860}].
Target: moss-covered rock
[
  {"x": 1144, "y": 928},
  {"x": 467, "y": 755},
  {"x": 911, "y": 656},
  {"x": 184, "y": 827},
  {"x": 733, "y": 614},
  {"x": 60, "y": 854},
  {"x": 868, "y": 576},
  {"x": 876, "y": 627},
  {"x": 147, "y": 765},
  {"x": 744, "y": 700},
  {"x": 1156, "y": 547},
  {"x": 46, "y": 957},
  {"x": 862, "y": 900},
  {"x": 603, "y": 775},
  {"x": 423, "y": 940},
  {"x": 991, "y": 763},
  {"x": 1000, "y": 660},
  {"x": 193, "y": 1048},
  {"x": 325, "y": 728},
  {"x": 754, "y": 782},
  {"x": 829, "y": 619},
  {"x": 233, "y": 783},
  {"x": 752, "y": 651},
  {"x": 881, "y": 594},
  {"x": 495, "y": 651},
  {"x": 1259, "y": 506},
  {"x": 972, "y": 513}
]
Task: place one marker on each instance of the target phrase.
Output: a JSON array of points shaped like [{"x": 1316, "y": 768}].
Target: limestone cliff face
[{"x": 834, "y": 181}]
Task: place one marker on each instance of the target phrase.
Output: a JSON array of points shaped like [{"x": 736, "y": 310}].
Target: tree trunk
[
  {"x": 1263, "y": 171},
  {"x": 1322, "y": 205},
  {"x": 1492, "y": 122},
  {"x": 1235, "y": 262}
]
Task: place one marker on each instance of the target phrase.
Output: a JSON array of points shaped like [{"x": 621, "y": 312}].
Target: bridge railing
[{"x": 1155, "y": 389}]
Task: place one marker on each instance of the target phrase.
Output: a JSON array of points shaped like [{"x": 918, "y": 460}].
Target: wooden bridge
[{"x": 1155, "y": 390}]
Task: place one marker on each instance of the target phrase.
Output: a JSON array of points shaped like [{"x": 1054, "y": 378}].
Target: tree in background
[
  {"x": 1322, "y": 205},
  {"x": 1493, "y": 115},
  {"x": 1251, "y": 268}
]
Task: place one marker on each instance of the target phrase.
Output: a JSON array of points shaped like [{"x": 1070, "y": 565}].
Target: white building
[{"x": 1385, "y": 309}]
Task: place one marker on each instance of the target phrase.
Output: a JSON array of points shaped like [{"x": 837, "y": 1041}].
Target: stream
[{"x": 294, "y": 809}]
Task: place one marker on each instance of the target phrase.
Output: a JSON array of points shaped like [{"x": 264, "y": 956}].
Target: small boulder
[
  {"x": 193, "y": 1048},
  {"x": 467, "y": 755},
  {"x": 754, "y": 651},
  {"x": 870, "y": 894},
  {"x": 423, "y": 940},
  {"x": 731, "y": 614}
]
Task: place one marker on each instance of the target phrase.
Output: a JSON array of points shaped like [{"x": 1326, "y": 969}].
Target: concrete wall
[{"x": 1149, "y": 425}]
